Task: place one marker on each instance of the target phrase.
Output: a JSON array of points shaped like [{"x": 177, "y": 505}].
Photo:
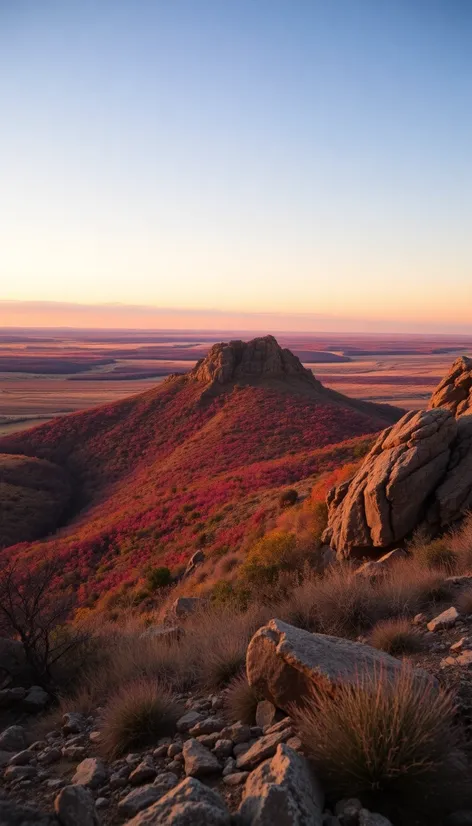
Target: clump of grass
[
  {"x": 395, "y": 637},
  {"x": 240, "y": 701},
  {"x": 437, "y": 554},
  {"x": 464, "y": 602},
  {"x": 461, "y": 543},
  {"x": 388, "y": 741},
  {"x": 221, "y": 639},
  {"x": 136, "y": 716}
]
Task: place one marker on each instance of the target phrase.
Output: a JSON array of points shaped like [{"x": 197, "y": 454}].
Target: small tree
[{"x": 32, "y": 612}]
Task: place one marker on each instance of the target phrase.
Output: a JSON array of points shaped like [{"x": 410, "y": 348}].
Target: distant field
[{"x": 46, "y": 373}]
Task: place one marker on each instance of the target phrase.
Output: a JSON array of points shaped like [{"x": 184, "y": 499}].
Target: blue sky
[{"x": 245, "y": 156}]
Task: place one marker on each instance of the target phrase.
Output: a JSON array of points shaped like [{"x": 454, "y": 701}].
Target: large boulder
[
  {"x": 189, "y": 804},
  {"x": 455, "y": 390},
  {"x": 419, "y": 472},
  {"x": 284, "y": 663},
  {"x": 283, "y": 790}
]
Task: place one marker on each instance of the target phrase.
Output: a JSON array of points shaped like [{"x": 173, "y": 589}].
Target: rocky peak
[
  {"x": 455, "y": 390},
  {"x": 240, "y": 360}
]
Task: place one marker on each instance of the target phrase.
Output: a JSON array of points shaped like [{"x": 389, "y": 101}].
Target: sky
[{"x": 206, "y": 163}]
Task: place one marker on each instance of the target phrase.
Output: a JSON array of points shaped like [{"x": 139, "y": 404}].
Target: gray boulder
[
  {"x": 75, "y": 806},
  {"x": 283, "y": 663},
  {"x": 283, "y": 790},
  {"x": 13, "y": 738},
  {"x": 188, "y": 804}
]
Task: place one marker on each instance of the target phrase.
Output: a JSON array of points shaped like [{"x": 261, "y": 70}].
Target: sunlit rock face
[
  {"x": 455, "y": 390},
  {"x": 418, "y": 474},
  {"x": 259, "y": 358}
]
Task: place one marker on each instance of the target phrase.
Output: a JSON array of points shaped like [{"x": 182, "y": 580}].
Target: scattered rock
[
  {"x": 36, "y": 699},
  {"x": 284, "y": 662},
  {"x": 266, "y": 713},
  {"x": 188, "y": 804},
  {"x": 19, "y": 772},
  {"x": 13, "y": 738},
  {"x": 208, "y": 726},
  {"x": 283, "y": 790},
  {"x": 235, "y": 779},
  {"x": 223, "y": 748},
  {"x": 75, "y": 806},
  {"x": 12, "y": 814},
  {"x": 188, "y": 721},
  {"x": 22, "y": 758},
  {"x": 142, "y": 774},
  {"x": 199, "y": 762},
  {"x": 73, "y": 723},
  {"x": 140, "y": 799},
  {"x": 262, "y": 749},
  {"x": 446, "y": 619},
  {"x": 464, "y": 659},
  {"x": 182, "y": 607},
  {"x": 195, "y": 560},
  {"x": 348, "y": 811},
  {"x": 90, "y": 773}
]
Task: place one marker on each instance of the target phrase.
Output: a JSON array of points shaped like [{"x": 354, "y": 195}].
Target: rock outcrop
[
  {"x": 455, "y": 390},
  {"x": 418, "y": 473},
  {"x": 241, "y": 360},
  {"x": 284, "y": 663}
]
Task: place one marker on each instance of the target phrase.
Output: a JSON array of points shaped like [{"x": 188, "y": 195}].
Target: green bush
[
  {"x": 288, "y": 498},
  {"x": 158, "y": 578},
  {"x": 272, "y": 554}
]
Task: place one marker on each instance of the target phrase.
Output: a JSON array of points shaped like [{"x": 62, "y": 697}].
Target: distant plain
[{"x": 48, "y": 373}]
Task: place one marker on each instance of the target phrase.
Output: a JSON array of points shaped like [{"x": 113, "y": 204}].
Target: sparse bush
[
  {"x": 385, "y": 740},
  {"x": 32, "y": 612},
  {"x": 288, "y": 498},
  {"x": 136, "y": 716},
  {"x": 240, "y": 701},
  {"x": 436, "y": 554},
  {"x": 396, "y": 637},
  {"x": 158, "y": 578},
  {"x": 275, "y": 552}
]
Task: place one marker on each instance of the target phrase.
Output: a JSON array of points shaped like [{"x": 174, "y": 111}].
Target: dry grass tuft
[
  {"x": 436, "y": 554},
  {"x": 136, "y": 716},
  {"x": 221, "y": 639},
  {"x": 395, "y": 637},
  {"x": 385, "y": 741},
  {"x": 240, "y": 701}
]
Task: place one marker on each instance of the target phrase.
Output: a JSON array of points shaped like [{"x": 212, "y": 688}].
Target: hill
[{"x": 198, "y": 461}]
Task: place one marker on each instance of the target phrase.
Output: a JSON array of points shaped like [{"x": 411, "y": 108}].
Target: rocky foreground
[{"x": 211, "y": 773}]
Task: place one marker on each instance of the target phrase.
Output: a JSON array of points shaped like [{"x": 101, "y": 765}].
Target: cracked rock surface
[
  {"x": 419, "y": 471},
  {"x": 455, "y": 390}
]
